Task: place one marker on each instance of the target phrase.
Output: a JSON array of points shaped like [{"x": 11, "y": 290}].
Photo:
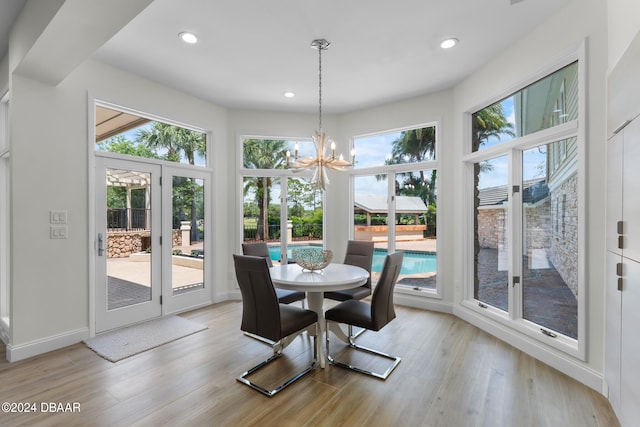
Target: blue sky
[{"x": 534, "y": 160}]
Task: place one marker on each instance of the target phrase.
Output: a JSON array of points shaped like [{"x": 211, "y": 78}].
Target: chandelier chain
[{"x": 320, "y": 87}]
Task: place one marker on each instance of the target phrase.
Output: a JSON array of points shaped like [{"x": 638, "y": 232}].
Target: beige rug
[{"x": 122, "y": 343}]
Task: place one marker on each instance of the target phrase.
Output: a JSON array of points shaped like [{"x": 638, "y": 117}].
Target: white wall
[
  {"x": 623, "y": 24},
  {"x": 49, "y": 134},
  {"x": 560, "y": 35}
]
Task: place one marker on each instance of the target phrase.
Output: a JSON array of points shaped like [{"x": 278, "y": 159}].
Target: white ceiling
[
  {"x": 9, "y": 10},
  {"x": 251, "y": 51}
]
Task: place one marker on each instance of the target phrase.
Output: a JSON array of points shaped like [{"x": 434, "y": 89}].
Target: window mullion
[
  {"x": 515, "y": 234},
  {"x": 284, "y": 215}
]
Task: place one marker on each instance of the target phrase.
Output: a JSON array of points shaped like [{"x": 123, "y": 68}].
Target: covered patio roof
[
  {"x": 371, "y": 203},
  {"x": 110, "y": 123}
]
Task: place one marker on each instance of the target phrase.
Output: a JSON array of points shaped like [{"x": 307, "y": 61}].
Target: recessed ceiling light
[
  {"x": 289, "y": 94},
  {"x": 448, "y": 43},
  {"x": 188, "y": 37}
]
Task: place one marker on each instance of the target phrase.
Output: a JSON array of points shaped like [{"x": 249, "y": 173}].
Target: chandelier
[{"x": 323, "y": 160}]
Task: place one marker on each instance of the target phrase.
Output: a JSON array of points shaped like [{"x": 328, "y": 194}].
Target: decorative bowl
[{"x": 312, "y": 258}]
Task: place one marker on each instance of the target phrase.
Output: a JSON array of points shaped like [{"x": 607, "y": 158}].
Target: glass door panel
[
  {"x": 550, "y": 246},
  {"x": 129, "y": 238},
  {"x": 128, "y": 250},
  {"x": 415, "y": 228},
  {"x": 491, "y": 261},
  {"x": 187, "y": 234},
  {"x": 187, "y": 259}
]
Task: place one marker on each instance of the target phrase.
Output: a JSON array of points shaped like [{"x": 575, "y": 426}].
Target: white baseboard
[
  {"x": 557, "y": 360},
  {"x": 424, "y": 303},
  {"x": 45, "y": 345}
]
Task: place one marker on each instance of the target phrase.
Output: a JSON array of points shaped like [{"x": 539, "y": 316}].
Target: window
[
  {"x": 546, "y": 103},
  {"x": 526, "y": 263},
  {"x": 395, "y": 203},
  {"x": 280, "y": 206},
  {"x": 130, "y": 134}
]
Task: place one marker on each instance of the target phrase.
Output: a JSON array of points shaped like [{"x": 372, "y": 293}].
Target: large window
[
  {"x": 395, "y": 203},
  {"x": 280, "y": 206},
  {"x": 130, "y": 134},
  {"x": 524, "y": 165}
]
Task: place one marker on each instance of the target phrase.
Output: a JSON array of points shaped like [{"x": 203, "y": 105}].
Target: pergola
[
  {"x": 370, "y": 204},
  {"x": 132, "y": 180}
]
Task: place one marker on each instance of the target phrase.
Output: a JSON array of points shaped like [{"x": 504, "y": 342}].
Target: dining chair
[
  {"x": 262, "y": 250},
  {"x": 264, "y": 316},
  {"x": 372, "y": 316},
  {"x": 359, "y": 253}
]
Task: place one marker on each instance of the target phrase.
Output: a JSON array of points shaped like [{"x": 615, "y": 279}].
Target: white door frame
[
  {"x": 177, "y": 303},
  {"x": 106, "y": 319}
]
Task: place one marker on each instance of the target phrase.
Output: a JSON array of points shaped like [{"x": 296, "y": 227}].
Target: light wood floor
[{"x": 452, "y": 374}]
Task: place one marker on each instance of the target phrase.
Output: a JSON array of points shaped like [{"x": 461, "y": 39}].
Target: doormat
[{"x": 122, "y": 343}]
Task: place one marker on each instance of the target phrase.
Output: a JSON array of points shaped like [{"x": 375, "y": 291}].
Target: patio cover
[{"x": 378, "y": 204}]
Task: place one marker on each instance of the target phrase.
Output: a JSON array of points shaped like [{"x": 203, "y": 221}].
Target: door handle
[{"x": 100, "y": 245}]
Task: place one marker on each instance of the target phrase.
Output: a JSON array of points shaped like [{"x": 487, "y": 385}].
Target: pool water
[{"x": 413, "y": 262}]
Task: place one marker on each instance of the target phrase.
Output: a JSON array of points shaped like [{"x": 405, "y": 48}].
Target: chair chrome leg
[
  {"x": 259, "y": 338},
  {"x": 382, "y": 376},
  {"x": 353, "y": 336},
  {"x": 278, "y": 353}
]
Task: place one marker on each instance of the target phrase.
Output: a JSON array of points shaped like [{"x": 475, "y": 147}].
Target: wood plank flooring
[{"x": 452, "y": 374}]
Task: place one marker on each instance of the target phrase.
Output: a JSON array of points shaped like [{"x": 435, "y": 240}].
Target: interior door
[{"x": 128, "y": 251}]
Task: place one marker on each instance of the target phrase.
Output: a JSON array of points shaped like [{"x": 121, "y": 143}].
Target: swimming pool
[{"x": 413, "y": 262}]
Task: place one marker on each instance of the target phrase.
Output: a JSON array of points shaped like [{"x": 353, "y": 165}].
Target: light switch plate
[
  {"x": 58, "y": 217},
  {"x": 58, "y": 232}
]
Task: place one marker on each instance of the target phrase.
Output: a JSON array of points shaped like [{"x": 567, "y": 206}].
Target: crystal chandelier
[{"x": 322, "y": 161}]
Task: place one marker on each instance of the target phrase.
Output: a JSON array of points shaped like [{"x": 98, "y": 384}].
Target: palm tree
[
  {"x": 488, "y": 122},
  {"x": 178, "y": 142},
  {"x": 415, "y": 145},
  {"x": 263, "y": 154}
]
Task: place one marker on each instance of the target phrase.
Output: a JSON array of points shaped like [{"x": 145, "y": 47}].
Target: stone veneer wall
[
  {"x": 563, "y": 252},
  {"x": 121, "y": 244},
  {"x": 491, "y": 226},
  {"x": 538, "y": 225}
]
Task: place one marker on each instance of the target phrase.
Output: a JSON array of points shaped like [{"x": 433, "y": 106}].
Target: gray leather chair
[
  {"x": 262, "y": 250},
  {"x": 359, "y": 253},
  {"x": 372, "y": 316},
  {"x": 264, "y": 316}
]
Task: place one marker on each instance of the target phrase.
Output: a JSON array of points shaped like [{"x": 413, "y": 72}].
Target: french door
[{"x": 150, "y": 248}]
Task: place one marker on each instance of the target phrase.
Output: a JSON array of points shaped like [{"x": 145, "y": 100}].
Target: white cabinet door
[
  {"x": 614, "y": 190},
  {"x": 613, "y": 331},
  {"x": 631, "y": 191},
  {"x": 630, "y": 349}
]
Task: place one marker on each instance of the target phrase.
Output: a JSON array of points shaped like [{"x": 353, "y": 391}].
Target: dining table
[{"x": 333, "y": 277}]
